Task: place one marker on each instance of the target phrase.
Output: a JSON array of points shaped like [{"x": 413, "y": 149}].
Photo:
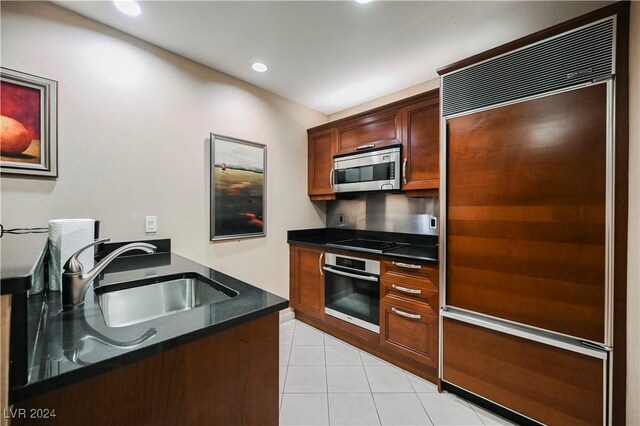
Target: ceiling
[{"x": 332, "y": 55}]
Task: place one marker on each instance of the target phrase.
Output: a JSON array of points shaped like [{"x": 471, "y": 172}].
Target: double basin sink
[{"x": 131, "y": 303}]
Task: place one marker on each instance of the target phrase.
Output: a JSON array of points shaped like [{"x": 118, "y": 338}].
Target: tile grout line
[
  {"x": 370, "y": 390},
  {"x": 406, "y": 374},
  {"x": 326, "y": 375}
]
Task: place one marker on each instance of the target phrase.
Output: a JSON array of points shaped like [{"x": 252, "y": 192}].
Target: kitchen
[{"x": 128, "y": 109}]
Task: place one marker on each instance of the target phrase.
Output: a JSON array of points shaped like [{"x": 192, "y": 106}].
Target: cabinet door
[
  {"x": 320, "y": 162},
  {"x": 421, "y": 145},
  {"x": 376, "y": 130},
  {"x": 307, "y": 281},
  {"x": 409, "y": 328}
]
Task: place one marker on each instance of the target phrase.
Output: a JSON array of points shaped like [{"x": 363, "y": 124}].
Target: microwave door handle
[
  {"x": 347, "y": 274},
  {"x": 367, "y": 146}
]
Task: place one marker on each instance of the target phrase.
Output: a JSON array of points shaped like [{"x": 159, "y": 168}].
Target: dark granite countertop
[
  {"x": 20, "y": 256},
  {"x": 68, "y": 347},
  {"x": 419, "y": 247}
]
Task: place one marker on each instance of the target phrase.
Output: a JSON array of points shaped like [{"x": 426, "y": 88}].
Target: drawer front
[
  {"x": 410, "y": 329},
  {"x": 551, "y": 385},
  {"x": 408, "y": 271},
  {"x": 419, "y": 290}
]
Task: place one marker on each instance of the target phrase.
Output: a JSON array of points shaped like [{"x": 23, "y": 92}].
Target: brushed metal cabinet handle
[
  {"x": 404, "y": 171},
  {"x": 407, "y": 265},
  {"x": 320, "y": 263},
  {"x": 331, "y": 178},
  {"x": 369, "y": 145},
  {"x": 406, "y": 314},
  {"x": 406, "y": 290}
]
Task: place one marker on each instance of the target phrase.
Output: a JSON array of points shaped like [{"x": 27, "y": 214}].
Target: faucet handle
[{"x": 73, "y": 265}]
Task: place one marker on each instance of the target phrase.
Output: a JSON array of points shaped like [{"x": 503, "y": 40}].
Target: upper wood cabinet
[
  {"x": 370, "y": 131},
  {"x": 322, "y": 148},
  {"x": 413, "y": 123},
  {"x": 421, "y": 145}
]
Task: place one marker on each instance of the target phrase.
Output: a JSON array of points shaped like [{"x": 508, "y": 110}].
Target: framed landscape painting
[
  {"x": 238, "y": 188},
  {"x": 28, "y": 110}
]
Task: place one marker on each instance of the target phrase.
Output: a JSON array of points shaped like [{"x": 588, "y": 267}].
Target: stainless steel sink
[{"x": 132, "y": 303}]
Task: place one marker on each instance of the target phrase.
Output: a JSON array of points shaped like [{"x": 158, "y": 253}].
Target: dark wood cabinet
[
  {"x": 409, "y": 310},
  {"x": 307, "y": 281},
  {"x": 226, "y": 378},
  {"x": 408, "y": 334},
  {"x": 371, "y": 131},
  {"x": 421, "y": 144},
  {"x": 321, "y": 149},
  {"x": 410, "y": 328},
  {"x": 413, "y": 123}
]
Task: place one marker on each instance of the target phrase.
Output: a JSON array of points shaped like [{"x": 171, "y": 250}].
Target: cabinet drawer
[
  {"x": 409, "y": 272},
  {"x": 419, "y": 290},
  {"x": 410, "y": 329}
]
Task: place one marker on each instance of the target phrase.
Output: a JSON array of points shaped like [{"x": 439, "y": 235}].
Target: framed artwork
[
  {"x": 29, "y": 139},
  {"x": 238, "y": 188}
]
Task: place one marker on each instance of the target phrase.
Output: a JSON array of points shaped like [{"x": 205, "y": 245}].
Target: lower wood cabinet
[
  {"x": 408, "y": 309},
  {"x": 227, "y": 378},
  {"x": 550, "y": 385},
  {"x": 409, "y": 328},
  {"x": 307, "y": 280}
]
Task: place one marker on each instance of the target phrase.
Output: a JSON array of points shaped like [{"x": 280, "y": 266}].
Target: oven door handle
[{"x": 347, "y": 274}]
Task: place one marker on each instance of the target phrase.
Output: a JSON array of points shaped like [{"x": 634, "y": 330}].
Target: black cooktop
[{"x": 373, "y": 246}]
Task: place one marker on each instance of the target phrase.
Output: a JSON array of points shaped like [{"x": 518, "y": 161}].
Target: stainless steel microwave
[{"x": 374, "y": 170}]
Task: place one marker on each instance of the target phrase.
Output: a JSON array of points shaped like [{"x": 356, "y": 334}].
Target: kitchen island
[{"x": 213, "y": 363}]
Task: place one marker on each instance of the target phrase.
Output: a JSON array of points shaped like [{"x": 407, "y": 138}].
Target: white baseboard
[{"x": 286, "y": 315}]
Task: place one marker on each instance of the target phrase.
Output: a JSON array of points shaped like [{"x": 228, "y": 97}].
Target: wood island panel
[{"x": 228, "y": 378}]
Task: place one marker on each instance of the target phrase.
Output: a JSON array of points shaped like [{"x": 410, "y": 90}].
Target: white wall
[
  {"x": 134, "y": 121},
  {"x": 633, "y": 286},
  {"x": 387, "y": 99}
]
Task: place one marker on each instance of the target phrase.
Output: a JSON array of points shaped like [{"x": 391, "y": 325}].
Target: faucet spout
[{"x": 75, "y": 281}]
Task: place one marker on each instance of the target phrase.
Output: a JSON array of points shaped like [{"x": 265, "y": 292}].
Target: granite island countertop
[{"x": 67, "y": 347}]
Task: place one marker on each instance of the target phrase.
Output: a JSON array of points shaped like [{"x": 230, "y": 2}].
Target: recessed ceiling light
[
  {"x": 259, "y": 67},
  {"x": 129, "y": 7},
  {"x": 363, "y": 1}
]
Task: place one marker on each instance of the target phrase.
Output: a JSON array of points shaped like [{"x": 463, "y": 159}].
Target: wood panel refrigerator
[{"x": 528, "y": 206}]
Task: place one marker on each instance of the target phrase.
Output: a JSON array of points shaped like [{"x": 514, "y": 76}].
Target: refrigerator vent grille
[{"x": 571, "y": 58}]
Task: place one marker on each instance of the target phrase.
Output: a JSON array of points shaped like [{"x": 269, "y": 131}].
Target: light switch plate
[{"x": 150, "y": 224}]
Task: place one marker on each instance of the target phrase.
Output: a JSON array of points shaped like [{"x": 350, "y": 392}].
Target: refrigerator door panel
[
  {"x": 545, "y": 383},
  {"x": 526, "y": 211}
]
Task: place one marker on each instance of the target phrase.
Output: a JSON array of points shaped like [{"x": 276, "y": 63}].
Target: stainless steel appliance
[
  {"x": 352, "y": 290},
  {"x": 373, "y": 170}
]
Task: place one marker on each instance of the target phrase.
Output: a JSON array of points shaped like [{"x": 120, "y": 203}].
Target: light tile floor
[{"x": 325, "y": 381}]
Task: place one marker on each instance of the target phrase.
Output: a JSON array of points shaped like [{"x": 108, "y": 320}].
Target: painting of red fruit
[
  {"x": 14, "y": 137},
  {"x": 28, "y": 136}
]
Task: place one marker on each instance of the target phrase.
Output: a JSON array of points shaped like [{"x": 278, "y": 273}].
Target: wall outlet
[
  {"x": 433, "y": 222},
  {"x": 150, "y": 224},
  {"x": 341, "y": 219}
]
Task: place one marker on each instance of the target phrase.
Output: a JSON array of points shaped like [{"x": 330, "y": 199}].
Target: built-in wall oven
[{"x": 352, "y": 290}]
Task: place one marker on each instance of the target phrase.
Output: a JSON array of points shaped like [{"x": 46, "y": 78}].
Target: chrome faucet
[{"x": 75, "y": 281}]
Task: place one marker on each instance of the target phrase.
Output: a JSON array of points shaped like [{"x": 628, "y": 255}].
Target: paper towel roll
[{"x": 67, "y": 236}]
